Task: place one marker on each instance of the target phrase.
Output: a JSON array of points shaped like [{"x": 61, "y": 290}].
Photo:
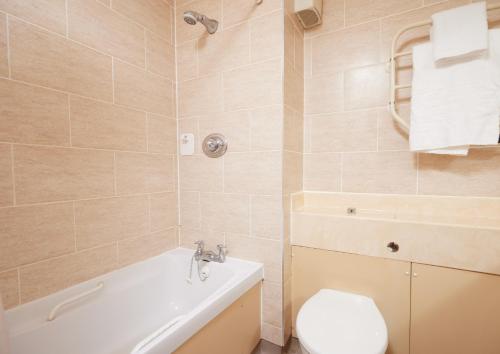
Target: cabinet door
[
  {"x": 386, "y": 281},
  {"x": 454, "y": 311}
]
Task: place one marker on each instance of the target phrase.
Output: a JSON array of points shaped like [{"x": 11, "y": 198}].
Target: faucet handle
[
  {"x": 200, "y": 244},
  {"x": 222, "y": 252}
]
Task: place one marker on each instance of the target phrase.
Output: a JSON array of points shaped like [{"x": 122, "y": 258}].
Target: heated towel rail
[{"x": 393, "y": 67}]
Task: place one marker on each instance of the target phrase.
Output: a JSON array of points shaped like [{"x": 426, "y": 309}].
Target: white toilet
[{"x": 337, "y": 322}]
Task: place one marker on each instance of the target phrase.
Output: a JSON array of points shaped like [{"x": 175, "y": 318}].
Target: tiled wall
[
  {"x": 87, "y": 140},
  {"x": 351, "y": 144},
  {"x": 232, "y": 83},
  {"x": 293, "y": 132}
]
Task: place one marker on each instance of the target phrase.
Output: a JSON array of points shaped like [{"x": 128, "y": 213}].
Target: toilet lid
[{"x": 336, "y": 322}]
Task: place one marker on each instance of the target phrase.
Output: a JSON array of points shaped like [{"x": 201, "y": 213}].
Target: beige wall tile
[
  {"x": 299, "y": 52},
  {"x": 289, "y": 40},
  {"x": 50, "y": 174},
  {"x": 30, "y": 234},
  {"x": 266, "y": 35},
  {"x": 266, "y": 216},
  {"x": 210, "y": 8},
  {"x": 322, "y": 172},
  {"x": 359, "y": 46},
  {"x": 190, "y": 210},
  {"x": 103, "y": 29},
  {"x": 105, "y": 126},
  {"x": 200, "y": 173},
  {"x": 105, "y": 2},
  {"x": 366, "y": 87},
  {"x": 253, "y": 86},
  {"x": 474, "y": 175},
  {"x": 211, "y": 238},
  {"x": 357, "y": 11},
  {"x": 162, "y": 134},
  {"x": 144, "y": 173},
  {"x": 332, "y": 19},
  {"x": 255, "y": 172},
  {"x": 324, "y": 94},
  {"x": 160, "y": 56},
  {"x": 224, "y": 50},
  {"x": 187, "y": 61},
  {"x": 140, "y": 89},
  {"x": 241, "y": 10},
  {"x": 383, "y": 172},
  {"x": 6, "y": 178},
  {"x": 349, "y": 131},
  {"x": 163, "y": 211},
  {"x": 292, "y": 172},
  {"x": 200, "y": 96},
  {"x": 293, "y": 86},
  {"x": 44, "y": 278},
  {"x": 102, "y": 221},
  {"x": 9, "y": 288},
  {"x": 307, "y": 58},
  {"x": 58, "y": 63},
  {"x": 225, "y": 212},
  {"x": 137, "y": 249},
  {"x": 258, "y": 250},
  {"x": 293, "y": 130},
  {"x": 272, "y": 301},
  {"x": 390, "y": 135},
  {"x": 50, "y": 14},
  {"x": 235, "y": 126},
  {"x": 155, "y": 15},
  {"x": 266, "y": 128},
  {"x": 272, "y": 333},
  {"x": 4, "y": 61},
  {"x": 33, "y": 115}
]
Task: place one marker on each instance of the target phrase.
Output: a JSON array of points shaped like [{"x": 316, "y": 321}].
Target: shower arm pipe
[
  {"x": 394, "y": 87},
  {"x": 258, "y": 2},
  {"x": 53, "y": 314}
]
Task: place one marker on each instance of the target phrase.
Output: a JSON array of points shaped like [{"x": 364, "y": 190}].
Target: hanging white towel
[
  {"x": 460, "y": 33},
  {"x": 457, "y": 105}
]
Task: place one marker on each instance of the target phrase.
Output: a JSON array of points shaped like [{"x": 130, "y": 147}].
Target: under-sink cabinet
[{"x": 428, "y": 309}]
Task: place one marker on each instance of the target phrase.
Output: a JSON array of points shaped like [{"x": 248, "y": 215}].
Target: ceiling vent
[{"x": 309, "y": 12}]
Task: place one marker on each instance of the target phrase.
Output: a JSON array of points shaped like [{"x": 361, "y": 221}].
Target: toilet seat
[{"x": 337, "y": 322}]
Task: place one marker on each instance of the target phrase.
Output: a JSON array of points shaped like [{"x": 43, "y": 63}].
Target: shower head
[{"x": 193, "y": 17}]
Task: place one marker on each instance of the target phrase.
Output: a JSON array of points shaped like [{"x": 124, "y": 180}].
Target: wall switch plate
[{"x": 187, "y": 143}]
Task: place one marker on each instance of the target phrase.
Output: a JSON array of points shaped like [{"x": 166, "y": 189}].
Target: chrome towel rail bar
[{"x": 394, "y": 87}]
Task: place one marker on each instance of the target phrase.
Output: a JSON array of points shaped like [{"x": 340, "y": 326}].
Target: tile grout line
[
  {"x": 69, "y": 39},
  {"x": 31, "y": 84}
]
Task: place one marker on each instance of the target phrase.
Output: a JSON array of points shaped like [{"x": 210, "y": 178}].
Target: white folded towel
[
  {"x": 460, "y": 33},
  {"x": 457, "y": 105}
]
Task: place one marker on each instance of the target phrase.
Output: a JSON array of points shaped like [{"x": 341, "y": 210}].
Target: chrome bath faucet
[{"x": 209, "y": 256}]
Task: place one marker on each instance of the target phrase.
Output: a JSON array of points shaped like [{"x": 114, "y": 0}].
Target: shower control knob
[
  {"x": 393, "y": 246},
  {"x": 214, "y": 145}
]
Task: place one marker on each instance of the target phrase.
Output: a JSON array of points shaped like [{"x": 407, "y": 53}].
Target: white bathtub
[{"x": 129, "y": 305}]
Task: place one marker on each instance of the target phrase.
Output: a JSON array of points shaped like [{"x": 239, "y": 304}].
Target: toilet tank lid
[{"x": 333, "y": 321}]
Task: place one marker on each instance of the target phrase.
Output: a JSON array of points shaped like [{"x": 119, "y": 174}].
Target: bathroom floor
[{"x": 270, "y": 348}]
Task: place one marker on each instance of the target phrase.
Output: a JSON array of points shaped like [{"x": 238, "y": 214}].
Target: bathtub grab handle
[
  {"x": 55, "y": 309},
  {"x": 156, "y": 333}
]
